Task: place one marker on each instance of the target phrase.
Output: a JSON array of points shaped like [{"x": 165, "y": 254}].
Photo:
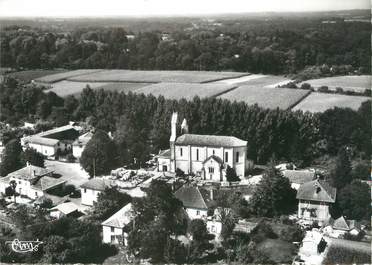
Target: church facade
[{"x": 205, "y": 155}]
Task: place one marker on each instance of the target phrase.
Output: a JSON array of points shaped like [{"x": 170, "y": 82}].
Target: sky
[{"x": 92, "y": 8}]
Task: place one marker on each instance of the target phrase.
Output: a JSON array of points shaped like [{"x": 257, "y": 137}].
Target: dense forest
[
  {"x": 280, "y": 45},
  {"x": 141, "y": 124}
]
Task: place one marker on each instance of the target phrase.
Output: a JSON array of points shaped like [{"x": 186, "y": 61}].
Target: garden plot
[
  {"x": 65, "y": 88},
  {"x": 266, "y": 97},
  {"x": 320, "y": 102},
  {"x": 185, "y": 90}
]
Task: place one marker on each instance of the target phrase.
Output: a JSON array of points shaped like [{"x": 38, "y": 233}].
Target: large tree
[
  {"x": 273, "y": 196},
  {"x": 354, "y": 200},
  {"x": 158, "y": 216},
  {"x": 341, "y": 173},
  {"x": 33, "y": 157},
  {"x": 99, "y": 155},
  {"x": 11, "y": 158},
  {"x": 109, "y": 202}
]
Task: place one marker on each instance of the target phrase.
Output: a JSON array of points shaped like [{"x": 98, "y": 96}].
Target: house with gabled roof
[
  {"x": 91, "y": 189},
  {"x": 315, "y": 198},
  {"x": 113, "y": 229},
  {"x": 340, "y": 226},
  {"x": 196, "y": 201},
  {"x": 192, "y": 153},
  {"x": 32, "y": 181},
  {"x": 79, "y": 144}
]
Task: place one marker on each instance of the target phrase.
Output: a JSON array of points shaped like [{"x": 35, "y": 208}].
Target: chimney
[{"x": 184, "y": 127}]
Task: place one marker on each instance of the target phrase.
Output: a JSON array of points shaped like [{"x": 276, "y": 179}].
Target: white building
[
  {"x": 78, "y": 145},
  {"x": 91, "y": 189},
  {"x": 52, "y": 141},
  {"x": 204, "y": 155},
  {"x": 113, "y": 228},
  {"x": 32, "y": 181},
  {"x": 315, "y": 197}
]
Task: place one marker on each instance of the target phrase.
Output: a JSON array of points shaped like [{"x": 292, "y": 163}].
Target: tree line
[
  {"x": 282, "y": 46},
  {"x": 141, "y": 124}
]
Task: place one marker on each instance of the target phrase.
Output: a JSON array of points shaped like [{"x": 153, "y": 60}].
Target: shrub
[
  {"x": 339, "y": 90},
  {"x": 323, "y": 89},
  {"x": 306, "y": 86}
]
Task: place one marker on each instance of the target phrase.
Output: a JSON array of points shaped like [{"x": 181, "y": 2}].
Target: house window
[
  {"x": 237, "y": 157},
  {"x": 197, "y": 212},
  {"x": 35, "y": 194},
  {"x": 112, "y": 239},
  {"x": 226, "y": 157},
  {"x": 85, "y": 190},
  {"x": 112, "y": 229},
  {"x": 211, "y": 170},
  {"x": 213, "y": 152},
  {"x": 197, "y": 154},
  {"x": 213, "y": 229},
  {"x": 181, "y": 153}
]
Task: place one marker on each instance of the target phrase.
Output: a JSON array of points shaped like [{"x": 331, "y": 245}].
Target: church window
[
  {"x": 237, "y": 157},
  {"x": 181, "y": 152},
  {"x": 197, "y": 154},
  {"x": 226, "y": 157}
]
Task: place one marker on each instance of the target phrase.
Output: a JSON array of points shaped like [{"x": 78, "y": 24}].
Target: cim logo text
[{"x": 24, "y": 246}]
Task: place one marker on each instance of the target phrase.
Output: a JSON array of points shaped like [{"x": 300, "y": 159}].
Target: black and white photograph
[{"x": 185, "y": 132}]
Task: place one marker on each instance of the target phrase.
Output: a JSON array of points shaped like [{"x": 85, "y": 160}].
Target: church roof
[
  {"x": 210, "y": 140},
  {"x": 316, "y": 190},
  {"x": 121, "y": 218}
]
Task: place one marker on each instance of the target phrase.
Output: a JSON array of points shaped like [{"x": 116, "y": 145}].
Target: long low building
[{"x": 50, "y": 142}]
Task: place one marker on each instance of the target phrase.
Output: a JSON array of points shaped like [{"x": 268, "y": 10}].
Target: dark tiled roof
[
  {"x": 216, "y": 158},
  {"x": 191, "y": 197},
  {"x": 46, "y": 183},
  {"x": 29, "y": 172},
  {"x": 210, "y": 140},
  {"x": 95, "y": 184},
  {"x": 317, "y": 190},
  {"x": 299, "y": 176}
]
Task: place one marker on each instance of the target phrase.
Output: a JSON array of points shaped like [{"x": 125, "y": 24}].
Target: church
[{"x": 207, "y": 156}]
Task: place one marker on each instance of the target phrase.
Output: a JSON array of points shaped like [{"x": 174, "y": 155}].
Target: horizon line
[{"x": 180, "y": 15}]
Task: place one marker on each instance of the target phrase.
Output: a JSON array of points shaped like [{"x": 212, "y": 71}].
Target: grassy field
[
  {"x": 53, "y": 78},
  {"x": 29, "y": 75},
  {"x": 155, "y": 76},
  {"x": 356, "y": 83},
  {"x": 65, "y": 88},
  {"x": 184, "y": 90},
  {"x": 283, "y": 98},
  {"x": 346, "y": 255},
  {"x": 319, "y": 102}
]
